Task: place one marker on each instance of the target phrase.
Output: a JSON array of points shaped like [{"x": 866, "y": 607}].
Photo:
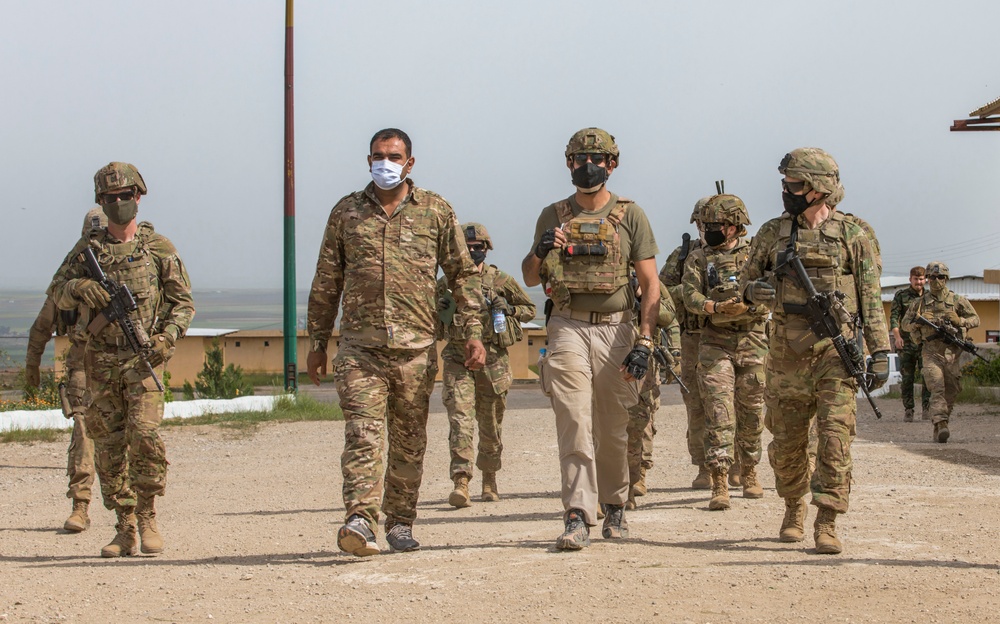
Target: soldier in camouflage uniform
[
  {"x": 805, "y": 376},
  {"x": 732, "y": 348},
  {"x": 80, "y": 455},
  {"x": 941, "y": 360},
  {"x": 906, "y": 347},
  {"x": 642, "y": 416},
  {"x": 671, "y": 275},
  {"x": 480, "y": 395},
  {"x": 582, "y": 249},
  {"x": 126, "y": 406},
  {"x": 381, "y": 251}
]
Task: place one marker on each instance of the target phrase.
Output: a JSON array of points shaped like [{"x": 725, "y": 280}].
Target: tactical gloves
[
  {"x": 501, "y": 304},
  {"x": 547, "y": 242},
  {"x": 161, "y": 348},
  {"x": 91, "y": 293},
  {"x": 878, "y": 370},
  {"x": 951, "y": 316},
  {"x": 637, "y": 361},
  {"x": 32, "y": 376},
  {"x": 759, "y": 293},
  {"x": 731, "y": 307}
]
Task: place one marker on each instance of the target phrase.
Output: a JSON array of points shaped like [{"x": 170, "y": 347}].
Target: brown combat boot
[
  {"x": 825, "y": 532},
  {"x": 793, "y": 527},
  {"x": 941, "y": 433},
  {"x": 459, "y": 497},
  {"x": 908, "y": 415},
  {"x": 639, "y": 485},
  {"x": 734, "y": 474},
  {"x": 704, "y": 479},
  {"x": 149, "y": 533},
  {"x": 720, "y": 490},
  {"x": 751, "y": 486},
  {"x": 78, "y": 520},
  {"x": 124, "y": 543},
  {"x": 490, "y": 492}
]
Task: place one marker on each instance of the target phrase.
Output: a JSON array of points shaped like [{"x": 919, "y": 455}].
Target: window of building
[
  {"x": 992, "y": 335},
  {"x": 237, "y": 343},
  {"x": 267, "y": 343}
]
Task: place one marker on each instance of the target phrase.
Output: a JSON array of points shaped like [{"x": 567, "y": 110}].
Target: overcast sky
[{"x": 191, "y": 93}]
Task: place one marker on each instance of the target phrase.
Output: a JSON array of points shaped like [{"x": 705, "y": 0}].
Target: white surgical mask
[{"x": 387, "y": 174}]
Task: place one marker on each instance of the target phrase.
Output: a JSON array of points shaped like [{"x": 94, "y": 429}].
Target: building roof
[
  {"x": 985, "y": 111},
  {"x": 207, "y": 332},
  {"x": 972, "y": 287}
]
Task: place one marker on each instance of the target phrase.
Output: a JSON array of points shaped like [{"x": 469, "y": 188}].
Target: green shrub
[
  {"x": 986, "y": 373},
  {"x": 218, "y": 382}
]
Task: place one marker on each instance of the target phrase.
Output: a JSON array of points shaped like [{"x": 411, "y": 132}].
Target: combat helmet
[
  {"x": 94, "y": 221},
  {"x": 476, "y": 233},
  {"x": 814, "y": 166},
  {"x": 937, "y": 268},
  {"x": 698, "y": 205},
  {"x": 117, "y": 175},
  {"x": 728, "y": 209},
  {"x": 592, "y": 141}
]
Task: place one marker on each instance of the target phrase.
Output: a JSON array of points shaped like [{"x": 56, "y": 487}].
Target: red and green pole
[{"x": 291, "y": 333}]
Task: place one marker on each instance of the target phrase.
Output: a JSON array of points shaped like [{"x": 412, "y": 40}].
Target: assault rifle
[
  {"x": 824, "y": 311},
  {"x": 952, "y": 339},
  {"x": 119, "y": 311},
  {"x": 663, "y": 357}
]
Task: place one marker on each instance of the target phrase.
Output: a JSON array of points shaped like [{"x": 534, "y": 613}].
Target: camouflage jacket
[
  {"x": 151, "y": 267},
  {"x": 900, "y": 303},
  {"x": 495, "y": 283},
  {"x": 697, "y": 289},
  {"x": 672, "y": 276},
  {"x": 933, "y": 307},
  {"x": 838, "y": 256},
  {"x": 385, "y": 268}
]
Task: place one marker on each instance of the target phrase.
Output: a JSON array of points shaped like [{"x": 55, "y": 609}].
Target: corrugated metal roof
[
  {"x": 972, "y": 287},
  {"x": 985, "y": 111}
]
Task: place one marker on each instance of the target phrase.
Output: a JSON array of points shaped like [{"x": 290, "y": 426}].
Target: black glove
[
  {"x": 878, "y": 370},
  {"x": 547, "y": 242},
  {"x": 637, "y": 361},
  {"x": 443, "y": 303},
  {"x": 760, "y": 293}
]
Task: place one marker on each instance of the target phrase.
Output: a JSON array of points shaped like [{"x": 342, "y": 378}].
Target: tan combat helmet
[
  {"x": 476, "y": 233},
  {"x": 698, "y": 205},
  {"x": 938, "y": 268},
  {"x": 592, "y": 141},
  {"x": 814, "y": 166},
  {"x": 115, "y": 176},
  {"x": 94, "y": 221},
  {"x": 728, "y": 209}
]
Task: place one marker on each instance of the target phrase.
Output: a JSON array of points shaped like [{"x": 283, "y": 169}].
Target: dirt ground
[{"x": 250, "y": 522}]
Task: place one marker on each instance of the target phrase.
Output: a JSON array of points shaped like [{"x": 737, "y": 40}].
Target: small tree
[{"x": 218, "y": 382}]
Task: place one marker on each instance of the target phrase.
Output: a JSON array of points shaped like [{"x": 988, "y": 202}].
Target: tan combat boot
[
  {"x": 490, "y": 492},
  {"x": 78, "y": 520},
  {"x": 734, "y": 474},
  {"x": 720, "y": 490},
  {"x": 639, "y": 486},
  {"x": 908, "y": 415},
  {"x": 825, "y": 532},
  {"x": 751, "y": 486},
  {"x": 704, "y": 479},
  {"x": 941, "y": 433},
  {"x": 149, "y": 533},
  {"x": 124, "y": 543},
  {"x": 459, "y": 497},
  {"x": 793, "y": 527}
]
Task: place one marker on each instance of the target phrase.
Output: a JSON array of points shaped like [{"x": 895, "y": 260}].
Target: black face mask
[
  {"x": 589, "y": 176},
  {"x": 478, "y": 257},
  {"x": 714, "y": 238},
  {"x": 794, "y": 204}
]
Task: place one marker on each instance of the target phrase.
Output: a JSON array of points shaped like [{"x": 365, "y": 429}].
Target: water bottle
[{"x": 499, "y": 321}]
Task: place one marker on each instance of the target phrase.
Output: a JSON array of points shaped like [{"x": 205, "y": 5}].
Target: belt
[{"x": 594, "y": 318}]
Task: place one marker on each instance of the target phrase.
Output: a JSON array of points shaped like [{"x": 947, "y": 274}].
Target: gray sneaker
[
  {"x": 615, "y": 525},
  {"x": 356, "y": 538},
  {"x": 400, "y": 538},
  {"x": 577, "y": 533}
]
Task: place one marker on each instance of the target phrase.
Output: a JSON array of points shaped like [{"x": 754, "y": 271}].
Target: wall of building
[{"x": 989, "y": 319}]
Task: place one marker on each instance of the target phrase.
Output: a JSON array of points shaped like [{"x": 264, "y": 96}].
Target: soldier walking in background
[
  {"x": 906, "y": 347},
  {"x": 805, "y": 375},
  {"x": 582, "y": 249},
  {"x": 941, "y": 360},
  {"x": 480, "y": 396},
  {"x": 381, "y": 251},
  {"x": 126, "y": 403},
  {"x": 80, "y": 454},
  {"x": 732, "y": 348},
  {"x": 671, "y": 275}
]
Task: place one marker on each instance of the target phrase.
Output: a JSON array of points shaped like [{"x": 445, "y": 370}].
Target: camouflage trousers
[
  {"x": 731, "y": 376},
  {"x": 692, "y": 399},
  {"x": 641, "y": 421},
  {"x": 123, "y": 421},
  {"x": 475, "y": 396},
  {"x": 80, "y": 454},
  {"x": 943, "y": 376},
  {"x": 385, "y": 395},
  {"x": 909, "y": 364},
  {"x": 801, "y": 387}
]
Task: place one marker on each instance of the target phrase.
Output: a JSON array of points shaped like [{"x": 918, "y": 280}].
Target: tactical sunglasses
[
  {"x": 597, "y": 159},
  {"x": 937, "y": 277},
  {"x": 713, "y": 226},
  {"x": 477, "y": 246},
  {"x": 110, "y": 198},
  {"x": 793, "y": 188}
]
